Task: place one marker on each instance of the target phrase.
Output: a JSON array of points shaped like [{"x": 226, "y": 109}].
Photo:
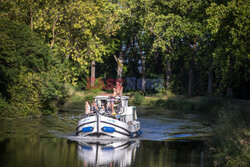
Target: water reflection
[
  {"x": 108, "y": 153},
  {"x": 143, "y": 153}
]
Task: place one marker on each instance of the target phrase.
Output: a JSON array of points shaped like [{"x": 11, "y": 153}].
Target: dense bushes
[
  {"x": 230, "y": 142},
  {"x": 138, "y": 98},
  {"x": 31, "y": 79},
  {"x": 6, "y": 110}
]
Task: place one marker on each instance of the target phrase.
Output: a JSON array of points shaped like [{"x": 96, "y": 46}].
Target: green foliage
[
  {"x": 138, "y": 98},
  {"x": 178, "y": 40},
  {"x": 31, "y": 78},
  {"x": 90, "y": 98},
  {"x": 205, "y": 104},
  {"x": 176, "y": 104},
  {"x": 80, "y": 28},
  {"x": 228, "y": 24},
  {"x": 172, "y": 36},
  {"x": 54, "y": 91},
  {"x": 19, "y": 47},
  {"x": 25, "y": 95},
  {"x": 95, "y": 91},
  {"x": 7, "y": 110}
]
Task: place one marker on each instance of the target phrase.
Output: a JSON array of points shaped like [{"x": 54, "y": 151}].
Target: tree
[
  {"x": 79, "y": 30},
  {"x": 229, "y": 26}
]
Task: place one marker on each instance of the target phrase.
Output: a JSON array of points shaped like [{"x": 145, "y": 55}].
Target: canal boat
[{"x": 102, "y": 123}]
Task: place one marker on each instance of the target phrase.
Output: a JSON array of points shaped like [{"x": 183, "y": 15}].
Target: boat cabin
[{"x": 120, "y": 107}]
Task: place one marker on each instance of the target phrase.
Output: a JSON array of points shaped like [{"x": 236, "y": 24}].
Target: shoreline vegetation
[{"x": 230, "y": 140}]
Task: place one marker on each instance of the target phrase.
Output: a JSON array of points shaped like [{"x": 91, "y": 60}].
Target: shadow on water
[{"x": 169, "y": 139}]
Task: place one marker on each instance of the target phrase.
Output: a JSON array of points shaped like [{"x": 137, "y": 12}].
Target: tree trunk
[
  {"x": 119, "y": 61},
  {"x": 53, "y": 31},
  {"x": 92, "y": 73},
  {"x": 168, "y": 67},
  {"x": 210, "y": 83},
  {"x": 120, "y": 67},
  {"x": 229, "y": 91},
  {"x": 168, "y": 73},
  {"x": 190, "y": 78},
  {"x": 53, "y": 36},
  {"x": 143, "y": 63},
  {"x": 191, "y": 69}
]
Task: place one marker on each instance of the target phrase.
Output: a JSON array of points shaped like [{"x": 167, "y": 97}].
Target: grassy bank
[{"x": 183, "y": 103}]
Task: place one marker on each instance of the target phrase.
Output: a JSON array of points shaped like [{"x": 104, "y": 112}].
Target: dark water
[{"x": 169, "y": 139}]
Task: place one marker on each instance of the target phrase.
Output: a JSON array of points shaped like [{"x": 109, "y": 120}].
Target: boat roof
[{"x": 105, "y": 97}]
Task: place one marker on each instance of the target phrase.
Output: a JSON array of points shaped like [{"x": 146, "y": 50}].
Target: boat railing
[{"x": 88, "y": 115}]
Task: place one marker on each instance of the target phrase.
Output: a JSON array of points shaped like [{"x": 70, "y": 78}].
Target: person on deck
[
  {"x": 112, "y": 100},
  {"x": 87, "y": 107},
  {"x": 94, "y": 107},
  {"x": 104, "y": 106},
  {"x": 119, "y": 88},
  {"x": 117, "y": 91}
]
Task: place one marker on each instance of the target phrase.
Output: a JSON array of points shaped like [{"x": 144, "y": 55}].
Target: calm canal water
[{"x": 170, "y": 138}]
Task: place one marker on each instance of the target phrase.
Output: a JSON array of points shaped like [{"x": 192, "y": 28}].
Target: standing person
[
  {"x": 87, "y": 107},
  {"x": 112, "y": 100},
  {"x": 117, "y": 91},
  {"x": 119, "y": 88}
]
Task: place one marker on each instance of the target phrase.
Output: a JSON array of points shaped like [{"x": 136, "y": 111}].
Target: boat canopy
[{"x": 108, "y": 97}]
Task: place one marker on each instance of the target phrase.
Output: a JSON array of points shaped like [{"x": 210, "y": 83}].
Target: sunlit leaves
[{"x": 79, "y": 29}]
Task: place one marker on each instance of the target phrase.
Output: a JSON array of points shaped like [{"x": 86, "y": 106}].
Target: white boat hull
[{"x": 100, "y": 125}]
